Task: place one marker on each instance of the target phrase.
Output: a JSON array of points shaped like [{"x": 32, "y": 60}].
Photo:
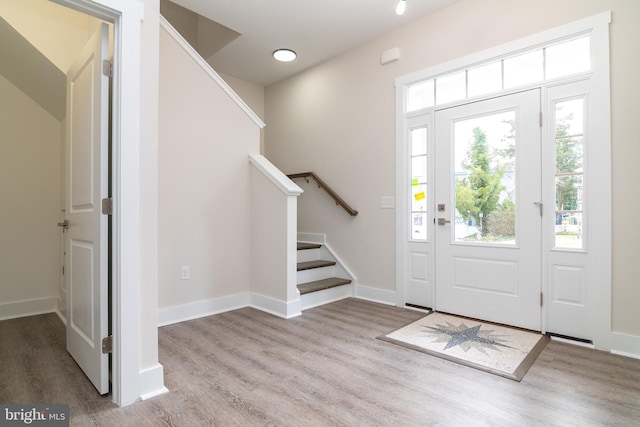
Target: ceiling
[{"x": 316, "y": 29}]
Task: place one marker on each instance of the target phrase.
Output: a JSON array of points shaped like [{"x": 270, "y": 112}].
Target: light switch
[{"x": 387, "y": 202}]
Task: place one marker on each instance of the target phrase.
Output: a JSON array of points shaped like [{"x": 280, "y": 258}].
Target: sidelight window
[
  {"x": 569, "y": 173},
  {"x": 418, "y": 201}
]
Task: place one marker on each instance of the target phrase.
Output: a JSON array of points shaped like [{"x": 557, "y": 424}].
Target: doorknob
[
  {"x": 443, "y": 221},
  {"x": 64, "y": 224}
]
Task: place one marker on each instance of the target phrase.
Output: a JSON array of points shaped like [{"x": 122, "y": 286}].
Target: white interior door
[
  {"x": 488, "y": 227},
  {"x": 86, "y": 239}
]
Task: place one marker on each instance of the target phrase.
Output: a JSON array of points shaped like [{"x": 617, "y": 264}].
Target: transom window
[{"x": 555, "y": 60}]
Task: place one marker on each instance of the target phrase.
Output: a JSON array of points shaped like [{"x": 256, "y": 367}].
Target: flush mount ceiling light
[
  {"x": 402, "y": 6},
  {"x": 284, "y": 55}
]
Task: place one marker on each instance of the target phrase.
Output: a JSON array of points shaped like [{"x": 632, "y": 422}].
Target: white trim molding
[
  {"x": 149, "y": 385},
  {"x": 275, "y": 175},
  {"x": 381, "y": 296},
  {"x": 283, "y": 309},
  {"x": 625, "y": 345},
  {"x": 128, "y": 281},
  {"x": 213, "y": 306},
  {"x": 197, "y": 309},
  {"x": 33, "y": 307}
]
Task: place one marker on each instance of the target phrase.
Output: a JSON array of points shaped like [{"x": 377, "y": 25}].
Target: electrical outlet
[{"x": 185, "y": 272}]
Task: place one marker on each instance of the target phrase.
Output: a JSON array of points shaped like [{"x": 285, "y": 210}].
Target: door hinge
[
  {"x": 107, "y": 68},
  {"x": 107, "y": 344},
  {"x": 541, "y": 299},
  {"x": 107, "y": 206},
  {"x": 540, "y": 118}
]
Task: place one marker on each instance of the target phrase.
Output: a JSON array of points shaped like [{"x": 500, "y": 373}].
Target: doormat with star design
[{"x": 500, "y": 350}]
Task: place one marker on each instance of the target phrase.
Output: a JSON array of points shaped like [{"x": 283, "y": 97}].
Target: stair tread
[
  {"x": 319, "y": 285},
  {"x": 307, "y": 265},
  {"x": 303, "y": 246}
]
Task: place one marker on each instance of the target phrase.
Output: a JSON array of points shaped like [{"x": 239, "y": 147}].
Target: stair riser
[
  {"x": 309, "y": 255},
  {"x": 326, "y": 296},
  {"x": 313, "y": 274}
]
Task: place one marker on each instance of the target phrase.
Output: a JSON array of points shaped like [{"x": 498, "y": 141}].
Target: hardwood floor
[{"x": 247, "y": 368}]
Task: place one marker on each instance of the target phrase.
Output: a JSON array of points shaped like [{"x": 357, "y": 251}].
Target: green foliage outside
[
  {"x": 501, "y": 223},
  {"x": 568, "y": 161},
  {"x": 478, "y": 193}
]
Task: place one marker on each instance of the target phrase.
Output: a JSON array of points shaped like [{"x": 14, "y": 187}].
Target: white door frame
[
  {"x": 126, "y": 15},
  {"x": 600, "y": 213}
]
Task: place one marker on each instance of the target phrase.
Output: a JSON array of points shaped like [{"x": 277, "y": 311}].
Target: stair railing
[{"x": 321, "y": 184}]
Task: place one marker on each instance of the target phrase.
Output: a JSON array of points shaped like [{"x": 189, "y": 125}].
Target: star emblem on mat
[{"x": 467, "y": 337}]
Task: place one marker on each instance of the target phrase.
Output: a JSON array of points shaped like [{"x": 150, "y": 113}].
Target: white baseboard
[
  {"x": 625, "y": 345},
  {"x": 13, "y": 310},
  {"x": 275, "y": 307},
  {"x": 61, "y": 316},
  {"x": 152, "y": 382},
  {"x": 381, "y": 296},
  {"x": 195, "y": 310}
]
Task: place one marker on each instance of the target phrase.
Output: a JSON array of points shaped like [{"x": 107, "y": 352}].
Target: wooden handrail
[{"x": 326, "y": 188}]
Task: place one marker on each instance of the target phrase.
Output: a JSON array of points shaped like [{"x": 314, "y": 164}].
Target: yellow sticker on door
[{"x": 419, "y": 196}]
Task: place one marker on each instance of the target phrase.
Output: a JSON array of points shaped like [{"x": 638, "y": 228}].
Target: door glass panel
[
  {"x": 418, "y": 198},
  {"x": 523, "y": 69},
  {"x": 569, "y": 171},
  {"x": 485, "y": 179}
]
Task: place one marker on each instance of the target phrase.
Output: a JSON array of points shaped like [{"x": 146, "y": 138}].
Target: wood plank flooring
[{"x": 325, "y": 368}]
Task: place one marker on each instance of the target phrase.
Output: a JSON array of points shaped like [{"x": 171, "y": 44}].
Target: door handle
[
  {"x": 539, "y": 205},
  {"x": 443, "y": 221},
  {"x": 64, "y": 224}
]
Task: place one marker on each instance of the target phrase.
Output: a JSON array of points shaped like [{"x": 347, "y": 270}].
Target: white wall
[
  {"x": 204, "y": 185},
  {"x": 252, "y": 94},
  {"x": 338, "y": 119},
  {"x": 30, "y": 190}
]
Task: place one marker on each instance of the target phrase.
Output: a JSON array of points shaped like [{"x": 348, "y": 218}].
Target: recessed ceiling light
[
  {"x": 284, "y": 55},
  {"x": 402, "y": 6}
]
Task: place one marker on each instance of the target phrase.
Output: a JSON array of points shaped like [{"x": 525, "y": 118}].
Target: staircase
[{"x": 320, "y": 278}]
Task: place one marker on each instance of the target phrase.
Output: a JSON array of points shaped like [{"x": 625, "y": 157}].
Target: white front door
[
  {"x": 488, "y": 210},
  {"x": 86, "y": 239}
]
